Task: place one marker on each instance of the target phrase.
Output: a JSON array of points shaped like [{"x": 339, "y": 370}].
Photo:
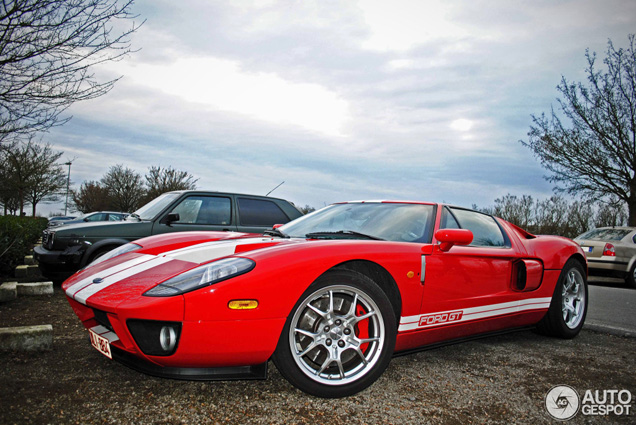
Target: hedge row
[{"x": 17, "y": 236}]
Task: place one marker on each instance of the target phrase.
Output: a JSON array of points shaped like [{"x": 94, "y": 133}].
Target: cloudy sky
[{"x": 341, "y": 100}]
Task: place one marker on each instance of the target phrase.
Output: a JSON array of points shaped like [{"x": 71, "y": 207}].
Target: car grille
[{"x": 102, "y": 318}]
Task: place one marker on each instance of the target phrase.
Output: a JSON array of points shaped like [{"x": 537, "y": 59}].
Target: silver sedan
[{"x": 611, "y": 252}]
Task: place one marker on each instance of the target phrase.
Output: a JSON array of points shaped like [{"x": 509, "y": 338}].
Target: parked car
[
  {"x": 90, "y": 217},
  {"x": 330, "y": 297},
  {"x": 60, "y": 219},
  {"x": 68, "y": 248},
  {"x": 611, "y": 252}
]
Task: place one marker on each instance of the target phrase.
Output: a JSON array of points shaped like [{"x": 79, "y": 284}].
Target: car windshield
[
  {"x": 605, "y": 234},
  {"x": 154, "y": 207},
  {"x": 369, "y": 220}
]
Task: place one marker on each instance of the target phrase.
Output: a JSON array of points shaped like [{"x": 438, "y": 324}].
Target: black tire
[
  {"x": 329, "y": 363},
  {"x": 95, "y": 255},
  {"x": 630, "y": 280},
  {"x": 568, "y": 307}
]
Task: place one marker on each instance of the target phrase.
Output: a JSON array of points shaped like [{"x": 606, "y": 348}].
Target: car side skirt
[
  {"x": 231, "y": 373},
  {"x": 436, "y": 345}
]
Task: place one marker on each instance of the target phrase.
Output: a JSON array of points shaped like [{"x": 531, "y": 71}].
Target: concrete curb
[
  {"x": 35, "y": 288},
  {"x": 8, "y": 291},
  {"x": 27, "y": 271},
  {"x": 612, "y": 330},
  {"x": 26, "y": 338}
]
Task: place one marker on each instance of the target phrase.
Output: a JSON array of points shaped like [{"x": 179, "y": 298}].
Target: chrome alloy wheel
[
  {"x": 573, "y": 299},
  {"x": 336, "y": 335}
]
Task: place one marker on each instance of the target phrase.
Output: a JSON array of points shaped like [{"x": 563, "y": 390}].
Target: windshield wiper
[
  {"x": 275, "y": 232},
  {"x": 335, "y": 235}
]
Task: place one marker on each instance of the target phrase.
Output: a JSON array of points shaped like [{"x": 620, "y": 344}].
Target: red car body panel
[{"x": 465, "y": 291}]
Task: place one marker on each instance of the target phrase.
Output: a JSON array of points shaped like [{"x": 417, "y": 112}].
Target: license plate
[
  {"x": 100, "y": 343},
  {"x": 587, "y": 248}
]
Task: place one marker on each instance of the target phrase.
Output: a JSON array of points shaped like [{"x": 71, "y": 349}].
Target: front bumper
[
  {"x": 54, "y": 264},
  {"x": 206, "y": 350},
  {"x": 190, "y": 373}
]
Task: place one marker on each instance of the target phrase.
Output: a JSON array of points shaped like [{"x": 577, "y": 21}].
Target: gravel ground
[{"x": 501, "y": 379}]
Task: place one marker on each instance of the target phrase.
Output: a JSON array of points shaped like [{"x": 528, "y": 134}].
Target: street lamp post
[{"x": 68, "y": 183}]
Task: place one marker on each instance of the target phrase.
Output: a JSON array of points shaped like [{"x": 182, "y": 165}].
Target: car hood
[
  {"x": 95, "y": 228},
  {"x": 160, "y": 258}
]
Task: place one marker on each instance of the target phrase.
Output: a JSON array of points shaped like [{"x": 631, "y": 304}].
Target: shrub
[{"x": 17, "y": 235}]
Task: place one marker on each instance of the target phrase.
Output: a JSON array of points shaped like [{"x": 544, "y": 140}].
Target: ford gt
[{"x": 329, "y": 297}]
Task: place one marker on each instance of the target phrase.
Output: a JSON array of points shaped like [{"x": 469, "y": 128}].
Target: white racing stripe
[
  {"x": 73, "y": 289},
  {"x": 200, "y": 253},
  {"x": 93, "y": 288},
  {"x": 460, "y": 315},
  {"x": 209, "y": 251}
]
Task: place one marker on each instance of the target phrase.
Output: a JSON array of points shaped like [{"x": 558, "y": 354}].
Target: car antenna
[{"x": 281, "y": 183}]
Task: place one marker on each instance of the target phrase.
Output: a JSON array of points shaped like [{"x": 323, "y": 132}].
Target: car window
[
  {"x": 448, "y": 221},
  {"x": 260, "y": 212},
  {"x": 486, "y": 231},
  {"x": 610, "y": 234},
  {"x": 204, "y": 210},
  {"x": 115, "y": 217},
  {"x": 96, "y": 217}
]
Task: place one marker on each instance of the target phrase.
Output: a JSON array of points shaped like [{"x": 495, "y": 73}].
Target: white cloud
[
  {"x": 221, "y": 84},
  {"x": 403, "y": 24}
]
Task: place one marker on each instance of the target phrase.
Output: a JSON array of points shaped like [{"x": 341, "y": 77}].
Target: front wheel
[
  {"x": 568, "y": 308},
  {"x": 339, "y": 337}
]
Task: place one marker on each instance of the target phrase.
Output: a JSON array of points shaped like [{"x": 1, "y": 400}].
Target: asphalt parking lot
[{"x": 502, "y": 379}]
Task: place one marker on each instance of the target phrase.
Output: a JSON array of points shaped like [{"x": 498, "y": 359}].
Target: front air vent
[{"x": 102, "y": 318}]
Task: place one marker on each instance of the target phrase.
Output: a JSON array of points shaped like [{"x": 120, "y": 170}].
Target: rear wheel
[
  {"x": 568, "y": 308},
  {"x": 631, "y": 277},
  {"x": 339, "y": 337}
]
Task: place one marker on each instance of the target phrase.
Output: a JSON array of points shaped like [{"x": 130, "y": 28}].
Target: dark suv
[{"x": 68, "y": 248}]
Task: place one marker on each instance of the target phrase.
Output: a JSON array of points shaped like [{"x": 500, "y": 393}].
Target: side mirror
[
  {"x": 172, "y": 217},
  {"x": 450, "y": 237},
  {"x": 276, "y": 226}
]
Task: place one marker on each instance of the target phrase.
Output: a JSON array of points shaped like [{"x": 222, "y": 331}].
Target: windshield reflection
[
  {"x": 388, "y": 221},
  {"x": 154, "y": 207}
]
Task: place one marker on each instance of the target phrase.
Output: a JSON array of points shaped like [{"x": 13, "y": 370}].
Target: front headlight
[
  {"x": 202, "y": 276},
  {"x": 48, "y": 239}
]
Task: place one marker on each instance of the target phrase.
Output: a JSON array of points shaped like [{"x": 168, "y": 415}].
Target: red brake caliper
[{"x": 362, "y": 328}]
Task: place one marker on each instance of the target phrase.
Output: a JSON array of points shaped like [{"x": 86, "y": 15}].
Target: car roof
[
  {"x": 216, "y": 192},
  {"x": 384, "y": 201}
]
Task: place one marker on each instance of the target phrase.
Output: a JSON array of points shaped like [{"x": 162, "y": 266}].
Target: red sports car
[{"x": 330, "y": 297}]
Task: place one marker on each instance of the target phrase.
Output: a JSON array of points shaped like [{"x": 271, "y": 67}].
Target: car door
[
  {"x": 199, "y": 212},
  {"x": 477, "y": 276}
]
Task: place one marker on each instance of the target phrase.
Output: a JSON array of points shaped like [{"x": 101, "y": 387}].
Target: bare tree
[
  {"x": 515, "y": 210},
  {"x": 46, "y": 177},
  {"x": 579, "y": 218},
  {"x": 125, "y": 188},
  {"x": 160, "y": 180},
  {"x": 610, "y": 214},
  {"x": 18, "y": 168},
  {"x": 595, "y": 153},
  {"x": 306, "y": 209},
  {"x": 29, "y": 174},
  {"x": 92, "y": 196},
  {"x": 48, "y": 50}
]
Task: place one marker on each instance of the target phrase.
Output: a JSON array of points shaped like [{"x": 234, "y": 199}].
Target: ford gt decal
[{"x": 441, "y": 318}]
